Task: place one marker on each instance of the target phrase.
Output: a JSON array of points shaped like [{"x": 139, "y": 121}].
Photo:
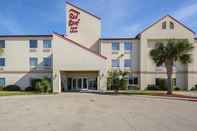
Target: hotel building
[{"x": 81, "y": 59}]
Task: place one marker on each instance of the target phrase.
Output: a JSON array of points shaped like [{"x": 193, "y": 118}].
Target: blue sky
[{"x": 120, "y": 18}]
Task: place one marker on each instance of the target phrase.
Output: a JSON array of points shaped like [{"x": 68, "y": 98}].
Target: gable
[
  {"x": 82, "y": 26},
  {"x": 68, "y": 55},
  {"x": 156, "y": 31}
]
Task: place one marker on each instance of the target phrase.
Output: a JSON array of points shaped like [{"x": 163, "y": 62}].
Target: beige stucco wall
[
  {"x": 23, "y": 79},
  {"x": 89, "y": 29},
  {"x": 106, "y": 50},
  {"x": 157, "y": 33},
  {"x": 17, "y": 53},
  {"x": 68, "y": 56}
]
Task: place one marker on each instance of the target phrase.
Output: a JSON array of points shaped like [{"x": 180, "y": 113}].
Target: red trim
[
  {"x": 162, "y": 19},
  {"x": 59, "y": 35},
  {"x": 83, "y": 10}
]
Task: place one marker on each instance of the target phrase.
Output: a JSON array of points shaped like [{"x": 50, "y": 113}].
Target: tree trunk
[{"x": 169, "y": 80}]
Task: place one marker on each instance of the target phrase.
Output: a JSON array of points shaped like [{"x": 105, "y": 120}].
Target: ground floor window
[
  {"x": 174, "y": 82},
  {"x": 2, "y": 82},
  {"x": 133, "y": 80},
  {"x": 81, "y": 83},
  {"x": 163, "y": 81},
  {"x": 92, "y": 83}
]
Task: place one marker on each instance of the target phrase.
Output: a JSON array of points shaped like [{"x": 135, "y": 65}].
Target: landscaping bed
[{"x": 153, "y": 93}]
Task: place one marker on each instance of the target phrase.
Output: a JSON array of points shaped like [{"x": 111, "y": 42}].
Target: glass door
[
  {"x": 85, "y": 84},
  {"x": 80, "y": 83}
]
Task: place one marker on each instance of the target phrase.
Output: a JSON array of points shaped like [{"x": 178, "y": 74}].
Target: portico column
[{"x": 56, "y": 82}]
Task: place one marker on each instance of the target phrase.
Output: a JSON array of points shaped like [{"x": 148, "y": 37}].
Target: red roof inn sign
[{"x": 73, "y": 20}]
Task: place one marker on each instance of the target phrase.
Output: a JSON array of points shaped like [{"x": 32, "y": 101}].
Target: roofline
[
  {"x": 129, "y": 38},
  {"x": 83, "y": 10},
  {"x": 87, "y": 49},
  {"x": 162, "y": 19},
  {"x": 26, "y": 36}
]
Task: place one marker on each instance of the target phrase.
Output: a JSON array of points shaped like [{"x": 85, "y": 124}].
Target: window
[
  {"x": 2, "y": 82},
  {"x": 33, "y": 44},
  {"x": 127, "y": 63},
  {"x": 164, "y": 25},
  {"x": 46, "y": 43},
  {"x": 115, "y": 63},
  {"x": 2, "y": 61},
  {"x": 133, "y": 80},
  {"x": 115, "y": 46},
  {"x": 2, "y": 43},
  {"x": 33, "y": 61},
  {"x": 174, "y": 82},
  {"x": 127, "y": 46},
  {"x": 92, "y": 83},
  {"x": 171, "y": 25},
  {"x": 47, "y": 61}
]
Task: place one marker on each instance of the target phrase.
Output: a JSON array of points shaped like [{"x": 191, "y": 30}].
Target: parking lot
[{"x": 92, "y": 112}]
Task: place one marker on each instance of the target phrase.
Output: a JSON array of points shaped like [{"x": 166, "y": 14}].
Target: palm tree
[{"x": 169, "y": 53}]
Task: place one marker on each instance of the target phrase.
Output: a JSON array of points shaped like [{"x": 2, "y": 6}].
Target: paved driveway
[{"x": 90, "y": 112}]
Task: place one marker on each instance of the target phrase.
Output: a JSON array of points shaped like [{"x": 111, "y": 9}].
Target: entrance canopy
[{"x": 79, "y": 80}]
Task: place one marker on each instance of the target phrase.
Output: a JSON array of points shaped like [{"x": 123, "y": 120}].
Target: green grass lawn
[
  {"x": 180, "y": 94},
  {"x": 16, "y": 93},
  {"x": 137, "y": 92}
]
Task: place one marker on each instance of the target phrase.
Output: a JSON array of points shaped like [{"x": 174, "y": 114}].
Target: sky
[{"x": 120, "y": 18}]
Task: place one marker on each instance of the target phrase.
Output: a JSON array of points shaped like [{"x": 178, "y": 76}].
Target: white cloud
[
  {"x": 132, "y": 29},
  {"x": 186, "y": 12}
]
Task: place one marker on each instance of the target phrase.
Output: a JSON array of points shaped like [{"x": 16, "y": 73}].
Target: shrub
[
  {"x": 1, "y": 88},
  {"x": 34, "y": 81},
  {"x": 133, "y": 87},
  {"x": 123, "y": 84},
  {"x": 109, "y": 83},
  {"x": 177, "y": 88},
  {"x": 152, "y": 87},
  {"x": 117, "y": 80},
  {"x": 194, "y": 88},
  {"x": 30, "y": 88},
  {"x": 161, "y": 84},
  {"x": 12, "y": 88},
  {"x": 42, "y": 85}
]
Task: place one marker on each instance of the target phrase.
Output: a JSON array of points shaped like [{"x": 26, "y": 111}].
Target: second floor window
[
  {"x": 33, "y": 44},
  {"x": 127, "y": 63},
  {"x": 46, "y": 43},
  {"x": 33, "y": 61},
  {"x": 164, "y": 25},
  {"x": 2, "y": 61},
  {"x": 171, "y": 25},
  {"x": 2, "y": 43},
  {"x": 133, "y": 80},
  {"x": 47, "y": 61},
  {"x": 115, "y": 46},
  {"x": 127, "y": 46},
  {"x": 115, "y": 63}
]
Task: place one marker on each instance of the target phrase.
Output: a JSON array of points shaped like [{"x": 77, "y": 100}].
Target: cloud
[
  {"x": 186, "y": 12},
  {"x": 132, "y": 29}
]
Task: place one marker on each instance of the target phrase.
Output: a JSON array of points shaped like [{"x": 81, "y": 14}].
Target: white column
[{"x": 56, "y": 82}]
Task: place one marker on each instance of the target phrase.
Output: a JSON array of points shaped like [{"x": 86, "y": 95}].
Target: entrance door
[
  {"x": 79, "y": 83},
  {"x": 85, "y": 84}
]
